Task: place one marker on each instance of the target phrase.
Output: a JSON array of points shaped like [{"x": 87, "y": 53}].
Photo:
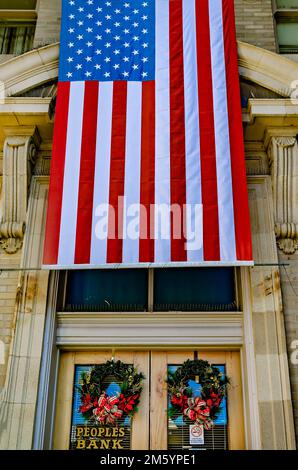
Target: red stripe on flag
[
  {"x": 87, "y": 169},
  {"x": 51, "y": 246},
  {"x": 117, "y": 170},
  {"x": 147, "y": 189},
  {"x": 240, "y": 194},
  {"x": 177, "y": 132},
  {"x": 207, "y": 137}
]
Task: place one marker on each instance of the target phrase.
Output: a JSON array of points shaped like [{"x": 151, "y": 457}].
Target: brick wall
[{"x": 253, "y": 21}]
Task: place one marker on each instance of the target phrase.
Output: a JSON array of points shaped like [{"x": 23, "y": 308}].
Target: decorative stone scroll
[
  {"x": 283, "y": 160},
  {"x": 19, "y": 156}
]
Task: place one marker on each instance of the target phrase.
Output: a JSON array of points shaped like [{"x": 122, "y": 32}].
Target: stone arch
[{"x": 37, "y": 67}]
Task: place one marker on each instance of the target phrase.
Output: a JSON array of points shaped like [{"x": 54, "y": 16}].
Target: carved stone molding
[
  {"x": 287, "y": 237},
  {"x": 283, "y": 161},
  {"x": 19, "y": 157}
]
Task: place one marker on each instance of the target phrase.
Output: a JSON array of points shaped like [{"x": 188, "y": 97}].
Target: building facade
[{"x": 243, "y": 319}]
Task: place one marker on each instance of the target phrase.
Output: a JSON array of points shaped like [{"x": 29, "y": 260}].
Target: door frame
[
  {"x": 215, "y": 331},
  {"x": 150, "y": 424}
]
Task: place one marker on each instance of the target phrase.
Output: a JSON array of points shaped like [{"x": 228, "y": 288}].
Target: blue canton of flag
[{"x": 107, "y": 40}]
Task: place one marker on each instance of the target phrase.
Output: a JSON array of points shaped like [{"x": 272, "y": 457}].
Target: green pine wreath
[
  {"x": 202, "y": 409},
  {"x": 102, "y": 409}
]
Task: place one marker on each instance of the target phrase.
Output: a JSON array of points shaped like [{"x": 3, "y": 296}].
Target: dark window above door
[
  {"x": 194, "y": 289},
  {"x": 159, "y": 290}
]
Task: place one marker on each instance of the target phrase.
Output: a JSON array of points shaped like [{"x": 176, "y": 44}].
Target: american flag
[{"x": 148, "y": 163}]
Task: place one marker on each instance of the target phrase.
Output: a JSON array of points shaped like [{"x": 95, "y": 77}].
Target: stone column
[
  {"x": 19, "y": 152},
  {"x": 264, "y": 331},
  {"x": 19, "y": 155},
  {"x": 282, "y": 148},
  {"x": 18, "y": 399},
  {"x": 22, "y": 222}
]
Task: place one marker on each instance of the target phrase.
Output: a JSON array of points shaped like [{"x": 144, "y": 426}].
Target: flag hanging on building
[{"x": 148, "y": 162}]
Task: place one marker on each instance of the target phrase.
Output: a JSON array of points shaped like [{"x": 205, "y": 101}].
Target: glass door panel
[
  {"x": 151, "y": 428},
  {"x": 175, "y": 433},
  {"x": 73, "y": 431}
]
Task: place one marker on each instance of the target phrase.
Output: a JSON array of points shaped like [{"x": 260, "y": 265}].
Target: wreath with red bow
[
  {"x": 100, "y": 408},
  {"x": 202, "y": 409}
]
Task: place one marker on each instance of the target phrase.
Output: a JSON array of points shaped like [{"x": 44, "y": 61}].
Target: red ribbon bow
[
  {"x": 107, "y": 411},
  {"x": 198, "y": 411}
]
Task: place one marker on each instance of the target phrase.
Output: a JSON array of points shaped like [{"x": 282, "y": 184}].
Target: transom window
[
  {"x": 141, "y": 290},
  {"x": 16, "y": 37},
  {"x": 286, "y": 18},
  {"x": 17, "y": 26}
]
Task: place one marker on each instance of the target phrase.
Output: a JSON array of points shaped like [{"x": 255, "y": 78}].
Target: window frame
[
  {"x": 283, "y": 15},
  {"x": 17, "y": 15},
  {"x": 21, "y": 9},
  {"x": 17, "y": 18},
  {"x": 61, "y": 301}
]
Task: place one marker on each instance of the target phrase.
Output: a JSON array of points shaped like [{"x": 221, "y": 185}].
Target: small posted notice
[{"x": 196, "y": 434}]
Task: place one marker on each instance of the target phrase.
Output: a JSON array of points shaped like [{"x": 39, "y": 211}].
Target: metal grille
[
  {"x": 288, "y": 49},
  {"x": 188, "y": 307},
  {"x": 105, "y": 308},
  {"x": 232, "y": 307}
]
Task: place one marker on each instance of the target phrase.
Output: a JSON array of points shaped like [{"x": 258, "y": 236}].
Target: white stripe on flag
[
  {"x": 222, "y": 140},
  {"x": 131, "y": 219},
  {"x": 71, "y": 175},
  {"x": 102, "y": 174},
  {"x": 162, "y": 134},
  {"x": 192, "y": 134}
]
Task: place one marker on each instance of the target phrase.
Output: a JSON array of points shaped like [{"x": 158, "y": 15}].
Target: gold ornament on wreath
[{"x": 201, "y": 409}]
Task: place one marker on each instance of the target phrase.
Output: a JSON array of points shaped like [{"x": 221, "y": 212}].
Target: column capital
[
  {"x": 19, "y": 156},
  {"x": 17, "y": 133},
  {"x": 282, "y": 150},
  {"x": 283, "y": 136}
]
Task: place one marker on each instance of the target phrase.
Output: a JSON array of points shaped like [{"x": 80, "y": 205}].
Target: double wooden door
[{"x": 150, "y": 428}]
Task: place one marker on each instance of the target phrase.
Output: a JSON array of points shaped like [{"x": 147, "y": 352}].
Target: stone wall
[
  {"x": 48, "y": 22},
  {"x": 8, "y": 292},
  {"x": 255, "y": 26},
  {"x": 289, "y": 285}
]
